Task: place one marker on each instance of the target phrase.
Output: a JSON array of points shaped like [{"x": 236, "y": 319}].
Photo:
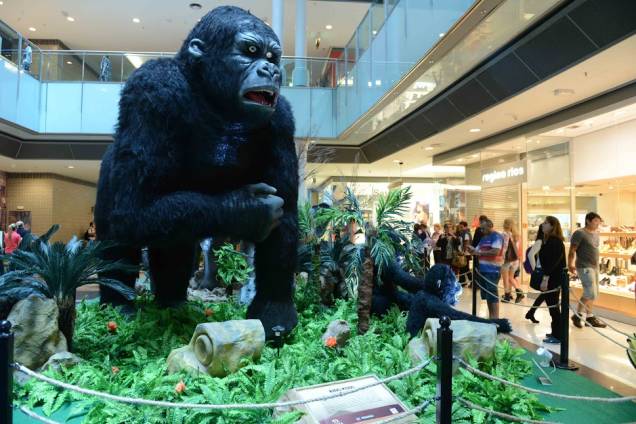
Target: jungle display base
[{"x": 131, "y": 361}]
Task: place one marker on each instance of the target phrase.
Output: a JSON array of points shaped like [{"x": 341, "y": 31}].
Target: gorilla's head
[
  {"x": 233, "y": 59},
  {"x": 441, "y": 281}
]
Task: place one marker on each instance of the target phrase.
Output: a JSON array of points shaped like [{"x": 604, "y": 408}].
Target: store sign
[{"x": 507, "y": 174}]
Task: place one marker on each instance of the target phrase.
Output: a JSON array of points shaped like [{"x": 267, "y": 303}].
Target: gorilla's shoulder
[
  {"x": 283, "y": 119},
  {"x": 159, "y": 86}
]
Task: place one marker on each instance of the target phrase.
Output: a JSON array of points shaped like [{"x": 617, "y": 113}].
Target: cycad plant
[{"x": 57, "y": 270}]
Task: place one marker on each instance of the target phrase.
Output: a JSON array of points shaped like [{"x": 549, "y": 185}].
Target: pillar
[{"x": 300, "y": 76}]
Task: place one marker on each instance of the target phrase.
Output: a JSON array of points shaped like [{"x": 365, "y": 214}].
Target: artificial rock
[
  {"x": 219, "y": 348},
  {"x": 340, "y": 330},
  {"x": 36, "y": 333}
]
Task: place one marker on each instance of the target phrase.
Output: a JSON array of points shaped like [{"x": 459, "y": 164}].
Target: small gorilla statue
[
  {"x": 440, "y": 293},
  {"x": 204, "y": 147}
]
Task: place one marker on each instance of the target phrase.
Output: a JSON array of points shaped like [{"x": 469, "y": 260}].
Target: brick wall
[{"x": 52, "y": 199}]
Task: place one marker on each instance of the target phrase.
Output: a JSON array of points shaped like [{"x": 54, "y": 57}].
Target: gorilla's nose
[{"x": 268, "y": 70}]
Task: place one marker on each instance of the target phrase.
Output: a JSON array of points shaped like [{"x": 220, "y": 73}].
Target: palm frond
[{"x": 392, "y": 206}]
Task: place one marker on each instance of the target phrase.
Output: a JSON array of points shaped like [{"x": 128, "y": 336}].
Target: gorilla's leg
[
  {"x": 380, "y": 304},
  {"x": 131, "y": 255},
  {"x": 170, "y": 272},
  {"x": 274, "y": 263}
]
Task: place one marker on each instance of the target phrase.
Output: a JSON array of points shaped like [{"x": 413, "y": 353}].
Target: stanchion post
[
  {"x": 444, "y": 371},
  {"x": 564, "y": 361},
  {"x": 474, "y": 283},
  {"x": 6, "y": 373}
]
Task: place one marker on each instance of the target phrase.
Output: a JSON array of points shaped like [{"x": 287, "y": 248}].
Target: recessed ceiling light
[
  {"x": 460, "y": 160},
  {"x": 70, "y": 167},
  {"x": 32, "y": 29},
  {"x": 611, "y": 187},
  {"x": 1, "y": 3},
  {"x": 476, "y": 155},
  {"x": 195, "y": 6},
  {"x": 563, "y": 92},
  {"x": 70, "y": 19},
  {"x": 69, "y": 62},
  {"x": 374, "y": 32},
  {"x": 328, "y": 26},
  {"x": 429, "y": 148},
  {"x": 474, "y": 130},
  {"x": 136, "y": 20}
]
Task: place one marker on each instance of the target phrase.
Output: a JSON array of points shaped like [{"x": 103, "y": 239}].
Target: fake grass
[{"x": 139, "y": 347}]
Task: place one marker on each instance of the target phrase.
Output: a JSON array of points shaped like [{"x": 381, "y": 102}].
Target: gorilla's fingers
[
  {"x": 503, "y": 325},
  {"x": 261, "y": 189}
]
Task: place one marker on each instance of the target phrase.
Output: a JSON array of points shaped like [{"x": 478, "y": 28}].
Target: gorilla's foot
[{"x": 272, "y": 314}]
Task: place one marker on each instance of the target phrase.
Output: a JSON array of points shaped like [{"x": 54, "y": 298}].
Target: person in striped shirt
[{"x": 490, "y": 254}]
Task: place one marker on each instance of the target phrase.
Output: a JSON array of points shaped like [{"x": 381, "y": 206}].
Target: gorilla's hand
[
  {"x": 503, "y": 325},
  {"x": 262, "y": 211}
]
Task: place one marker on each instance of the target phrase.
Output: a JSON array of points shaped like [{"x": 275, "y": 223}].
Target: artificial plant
[
  {"x": 57, "y": 270},
  {"x": 232, "y": 265}
]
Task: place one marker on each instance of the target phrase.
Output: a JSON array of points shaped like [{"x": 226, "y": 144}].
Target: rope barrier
[
  {"x": 575, "y": 312},
  {"x": 607, "y": 323},
  {"x": 35, "y": 416},
  {"x": 543, "y": 392},
  {"x": 508, "y": 417},
  {"x": 522, "y": 292},
  {"x": 163, "y": 404},
  {"x": 413, "y": 411},
  {"x": 515, "y": 304}
]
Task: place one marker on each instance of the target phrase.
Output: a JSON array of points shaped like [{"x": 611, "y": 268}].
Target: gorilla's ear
[{"x": 196, "y": 47}]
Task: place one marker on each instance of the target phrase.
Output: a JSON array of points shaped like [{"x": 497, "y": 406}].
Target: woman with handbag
[
  {"x": 511, "y": 262},
  {"x": 449, "y": 246},
  {"x": 530, "y": 264},
  {"x": 548, "y": 277}
]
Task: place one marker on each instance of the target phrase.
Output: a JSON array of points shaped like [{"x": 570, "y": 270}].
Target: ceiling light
[
  {"x": 460, "y": 160},
  {"x": 474, "y": 130},
  {"x": 476, "y": 155},
  {"x": 611, "y": 187},
  {"x": 195, "y": 6},
  {"x": 441, "y": 34},
  {"x": 545, "y": 188},
  {"x": 374, "y": 32},
  {"x": 32, "y": 29},
  {"x": 1, "y": 3},
  {"x": 70, "y": 19},
  {"x": 70, "y": 167},
  {"x": 69, "y": 62},
  {"x": 501, "y": 160},
  {"x": 429, "y": 148},
  {"x": 563, "y": 92},
  {"x": 328, "y": 26},
  {"x": 136, "y": 20},
  {"x": 528, "y": 16}
]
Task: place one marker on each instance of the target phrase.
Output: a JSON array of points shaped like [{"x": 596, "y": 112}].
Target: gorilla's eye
[
  {"x": 252, "y": 49},
  {"x": 269, "y": 55}
]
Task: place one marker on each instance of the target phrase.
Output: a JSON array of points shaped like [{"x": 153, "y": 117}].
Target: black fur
[
  {"x": 428, "y": 305},
  {"x": 390, "y": 292},
  {"x": 181, "y": 163}
]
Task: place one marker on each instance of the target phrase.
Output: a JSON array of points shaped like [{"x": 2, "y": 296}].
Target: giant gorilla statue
[{"x": 204, "y": 147}]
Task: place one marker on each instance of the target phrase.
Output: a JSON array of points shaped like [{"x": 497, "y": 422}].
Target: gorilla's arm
[
  {"x": 394, "y": 273},
  {"x": 275, "y": 257},
  {"x": 140, "y": 190},
  {"x": 426, "y": 305}
]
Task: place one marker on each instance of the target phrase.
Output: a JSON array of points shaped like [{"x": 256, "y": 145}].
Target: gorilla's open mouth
[{"x": 262, "y": 97}]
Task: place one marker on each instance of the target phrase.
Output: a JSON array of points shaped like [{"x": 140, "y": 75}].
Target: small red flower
[
  {"x": 208, "y": 312},
  {"x": 331, "y": 342},
  {"x": 114, "y": 370},
  {"x": 180, "y": 387},
  {"x": 112, "y": 326}
]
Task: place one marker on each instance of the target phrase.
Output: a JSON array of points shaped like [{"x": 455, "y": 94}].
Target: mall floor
[{"x": 605, "y": 361}]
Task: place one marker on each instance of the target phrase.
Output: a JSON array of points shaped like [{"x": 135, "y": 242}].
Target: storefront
[{"x": 567, "y": 171}]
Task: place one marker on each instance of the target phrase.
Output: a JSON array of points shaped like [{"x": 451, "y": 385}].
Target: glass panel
[
  {"x": 377, "y": 17},
  {"x": 363, "y": 34}
]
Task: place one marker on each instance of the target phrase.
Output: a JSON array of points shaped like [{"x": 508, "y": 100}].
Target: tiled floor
[{"x": 586, "y": 346}]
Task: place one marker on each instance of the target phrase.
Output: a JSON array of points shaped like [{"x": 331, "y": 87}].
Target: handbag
[
  {"x": 536, "y": 278},
  {"x": 511, "y": 252},
  {"x": 459, "y": 260}
]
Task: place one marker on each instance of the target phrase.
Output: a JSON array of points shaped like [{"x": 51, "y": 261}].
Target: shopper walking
[
  {"x": 477, "y": 238},
  {"x": 466, "y": 240},
  {"x": 90, "y": 234},
  {"x": 489, "y": 251},
  {"x": 437, "y": 233},
  {"x": 449, "y": 245},
  {"x": 534, "y": 262},
  {"x": 552, "y": 257},
  {"x": 27, "y": 57},
  {"x": 584, "y": 245},
  {"x": 11, "y": 240},
  {"x": 20, "y": 228},
  {"x": 511, "y": 262}
]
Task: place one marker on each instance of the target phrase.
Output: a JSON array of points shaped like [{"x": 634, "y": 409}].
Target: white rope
[
  {"x": 520, "y": 291},
  {"x": 600, "y": 332},
  {"x": 543, "y": 392},
  {"x": 501, "y": 414},
  {"x": 607, "y": 323},
  {"x": 36, "y": 417},
  {"x": 271, "y": 405},
  {"x": 413, "y": 411},
  {"x": 515, "y": 304}
]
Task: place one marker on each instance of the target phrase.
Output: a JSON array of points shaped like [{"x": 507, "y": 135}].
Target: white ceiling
[
  {"x": 107, "y": 24},
  {"x": 86, "y": 170}
]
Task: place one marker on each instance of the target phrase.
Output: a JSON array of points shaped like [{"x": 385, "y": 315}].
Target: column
[
  {"x": 277, "y": 19},
  {"x": 300, "y": 76}
]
